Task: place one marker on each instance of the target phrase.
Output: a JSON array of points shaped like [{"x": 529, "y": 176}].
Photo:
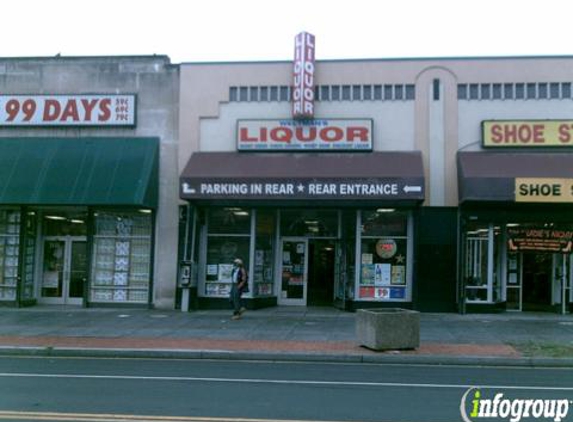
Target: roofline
[
  {"x": 59, "y": 57},
  {"x": 166, "y": 58},
  {"x": 391, "y": 59}
]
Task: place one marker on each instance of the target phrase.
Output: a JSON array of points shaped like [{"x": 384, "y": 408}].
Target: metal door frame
[
  {"x": 65, "y": 298},
  {"x": 561, "y": 275},
  {"x": 286, "y": 301},
  {"x": 519, "y": 285}
]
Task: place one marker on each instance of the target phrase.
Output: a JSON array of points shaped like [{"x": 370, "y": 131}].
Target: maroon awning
[
  {"x": 490, "y": 176},
  {"x": 373, "y": 177}
]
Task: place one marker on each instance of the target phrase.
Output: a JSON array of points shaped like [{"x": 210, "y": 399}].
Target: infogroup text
[{"x": 474, "y": 406}]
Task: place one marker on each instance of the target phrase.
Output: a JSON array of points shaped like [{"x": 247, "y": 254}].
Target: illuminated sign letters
[{"x": 303, "y": 75}]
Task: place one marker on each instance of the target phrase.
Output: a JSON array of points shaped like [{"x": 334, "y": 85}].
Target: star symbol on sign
[
  {"x": 300, "y": 188},
  {"x": 400, "y": 259}
]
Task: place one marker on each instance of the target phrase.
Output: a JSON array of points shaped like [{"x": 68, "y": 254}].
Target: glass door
[
  {"x": 64, "y": 270},
  {"x": 294, "y": 264},
  {"x": 561, "y": 286},
  {"x": 514, "y": 281},
  {"x": 77, "y": 276},
  {"x": 550, "y": 295}
]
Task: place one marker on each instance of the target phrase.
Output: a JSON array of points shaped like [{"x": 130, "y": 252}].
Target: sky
[{"x": 260, "y": 30}]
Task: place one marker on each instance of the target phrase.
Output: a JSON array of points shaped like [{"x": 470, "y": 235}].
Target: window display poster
[
  {"x": 382, "y": 274},
  {"x": 398, "y": 274},
  {"x": 512, "y": 278},
  {"x": 295, "y": 280},
  {"x": 367, "y": 258},
  {"x": 512, "y": 263},
  {"x": 212, "y": 269},
  {"x": 214, "y": 289},
  {"x": 367, "y": 274},
  {"x": 122, "y": 248},
  {"x": 225, "y": 273},
  {"x": 120, "y": 279},
  {"x": 121, "y": 264},
  {"x": 382, "y": 293},
  {"x": 50, "y": 280},
  {"x": 259, "y": 257},
  {"x": 386, "y": 248},
  {"x": 367, "y": 292},
  {"x": 120, "y": 295},
  {"x": 397, "y": 293},
  {"x": 258, "y": 275},
  {"x": 264, "y": 289}
]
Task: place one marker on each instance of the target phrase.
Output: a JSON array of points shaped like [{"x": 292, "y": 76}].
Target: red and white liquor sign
[
  {"x": 67, "y": 110},
  {"x": 303, "y": 77},
  {"x": 305, "y": 135}
]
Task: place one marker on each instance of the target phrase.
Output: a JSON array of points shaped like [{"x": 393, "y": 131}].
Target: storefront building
[
  {"x": 422, "y": 183},
  {"x": 322, "y": 201},
  {"x": 516, "y": 227},
  {"x": 87, "y": 207}
]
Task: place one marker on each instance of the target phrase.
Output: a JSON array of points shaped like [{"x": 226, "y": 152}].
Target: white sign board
[
  {"x": 67, "y": 110},
  {"x": 305, "y": 135}
]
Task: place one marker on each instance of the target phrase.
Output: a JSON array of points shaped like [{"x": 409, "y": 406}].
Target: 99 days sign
[{"x": 67, "y": 110}]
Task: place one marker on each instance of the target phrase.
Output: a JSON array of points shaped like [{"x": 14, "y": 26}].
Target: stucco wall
[{"x": 438, "y": 127}]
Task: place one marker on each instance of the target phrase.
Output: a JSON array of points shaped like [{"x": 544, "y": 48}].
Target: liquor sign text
[
  {"x": 303, "y": 77},
  {"x": 305, "y": 135}
]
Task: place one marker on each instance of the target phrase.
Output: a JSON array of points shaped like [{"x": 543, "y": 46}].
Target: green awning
[{"x": 79, "y": 171}]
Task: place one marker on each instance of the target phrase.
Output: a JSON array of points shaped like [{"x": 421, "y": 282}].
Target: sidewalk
[{"x": 282, "y": 333}]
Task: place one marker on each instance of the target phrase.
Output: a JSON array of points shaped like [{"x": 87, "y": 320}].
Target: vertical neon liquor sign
[{"x": 303, "y": 76}]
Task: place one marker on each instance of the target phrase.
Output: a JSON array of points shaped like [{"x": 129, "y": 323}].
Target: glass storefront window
[
  {"x": 60, "y": 223},
  {"x": 231, "y": 220},
  {"x": 121, "y": 257},
  {"x": 498, "y": 257},
  {"x": 228, "y": 237},
  {"x": 483, "y": 263},
  {"x": 346, "y": 269},
  {"x": 309, "y": 223},
  {"x": 476, "y": 263},
  {"x": 9, "y": 253},
  {"x": 30, "y": 226},
  {"x": 384, "y": 222},
  {"x": 384, "y": 256},
  {"x": 264, "y": 253}
]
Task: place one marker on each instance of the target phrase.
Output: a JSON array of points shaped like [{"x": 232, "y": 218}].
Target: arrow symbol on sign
[
  {"x": 187, "y": 188},
  {"x": 409, "y": 189}
]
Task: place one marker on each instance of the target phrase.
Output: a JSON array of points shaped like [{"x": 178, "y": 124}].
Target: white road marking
[
  {"x": 279, "y": 381},
  {"x": 93, "y": 417}
]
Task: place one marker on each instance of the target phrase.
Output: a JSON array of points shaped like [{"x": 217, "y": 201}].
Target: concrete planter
[{"x": 388, "y": 329}]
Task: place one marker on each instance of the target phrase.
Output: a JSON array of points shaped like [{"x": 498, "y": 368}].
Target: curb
[{"x": 282, "y": 356}]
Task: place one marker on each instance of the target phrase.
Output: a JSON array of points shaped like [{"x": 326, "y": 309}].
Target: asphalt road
[{"x": 80, "y": 389}]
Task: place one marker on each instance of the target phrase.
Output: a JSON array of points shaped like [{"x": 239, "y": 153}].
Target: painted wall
[
  {"x": 472, "y": 113},
  {"x": 393, "y": 122}
]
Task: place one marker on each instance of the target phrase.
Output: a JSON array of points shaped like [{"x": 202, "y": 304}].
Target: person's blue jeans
[{"x": 236, "y": 300}]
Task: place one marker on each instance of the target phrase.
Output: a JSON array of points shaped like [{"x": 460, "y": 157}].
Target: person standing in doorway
[{"x": 240, "y": 285}]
